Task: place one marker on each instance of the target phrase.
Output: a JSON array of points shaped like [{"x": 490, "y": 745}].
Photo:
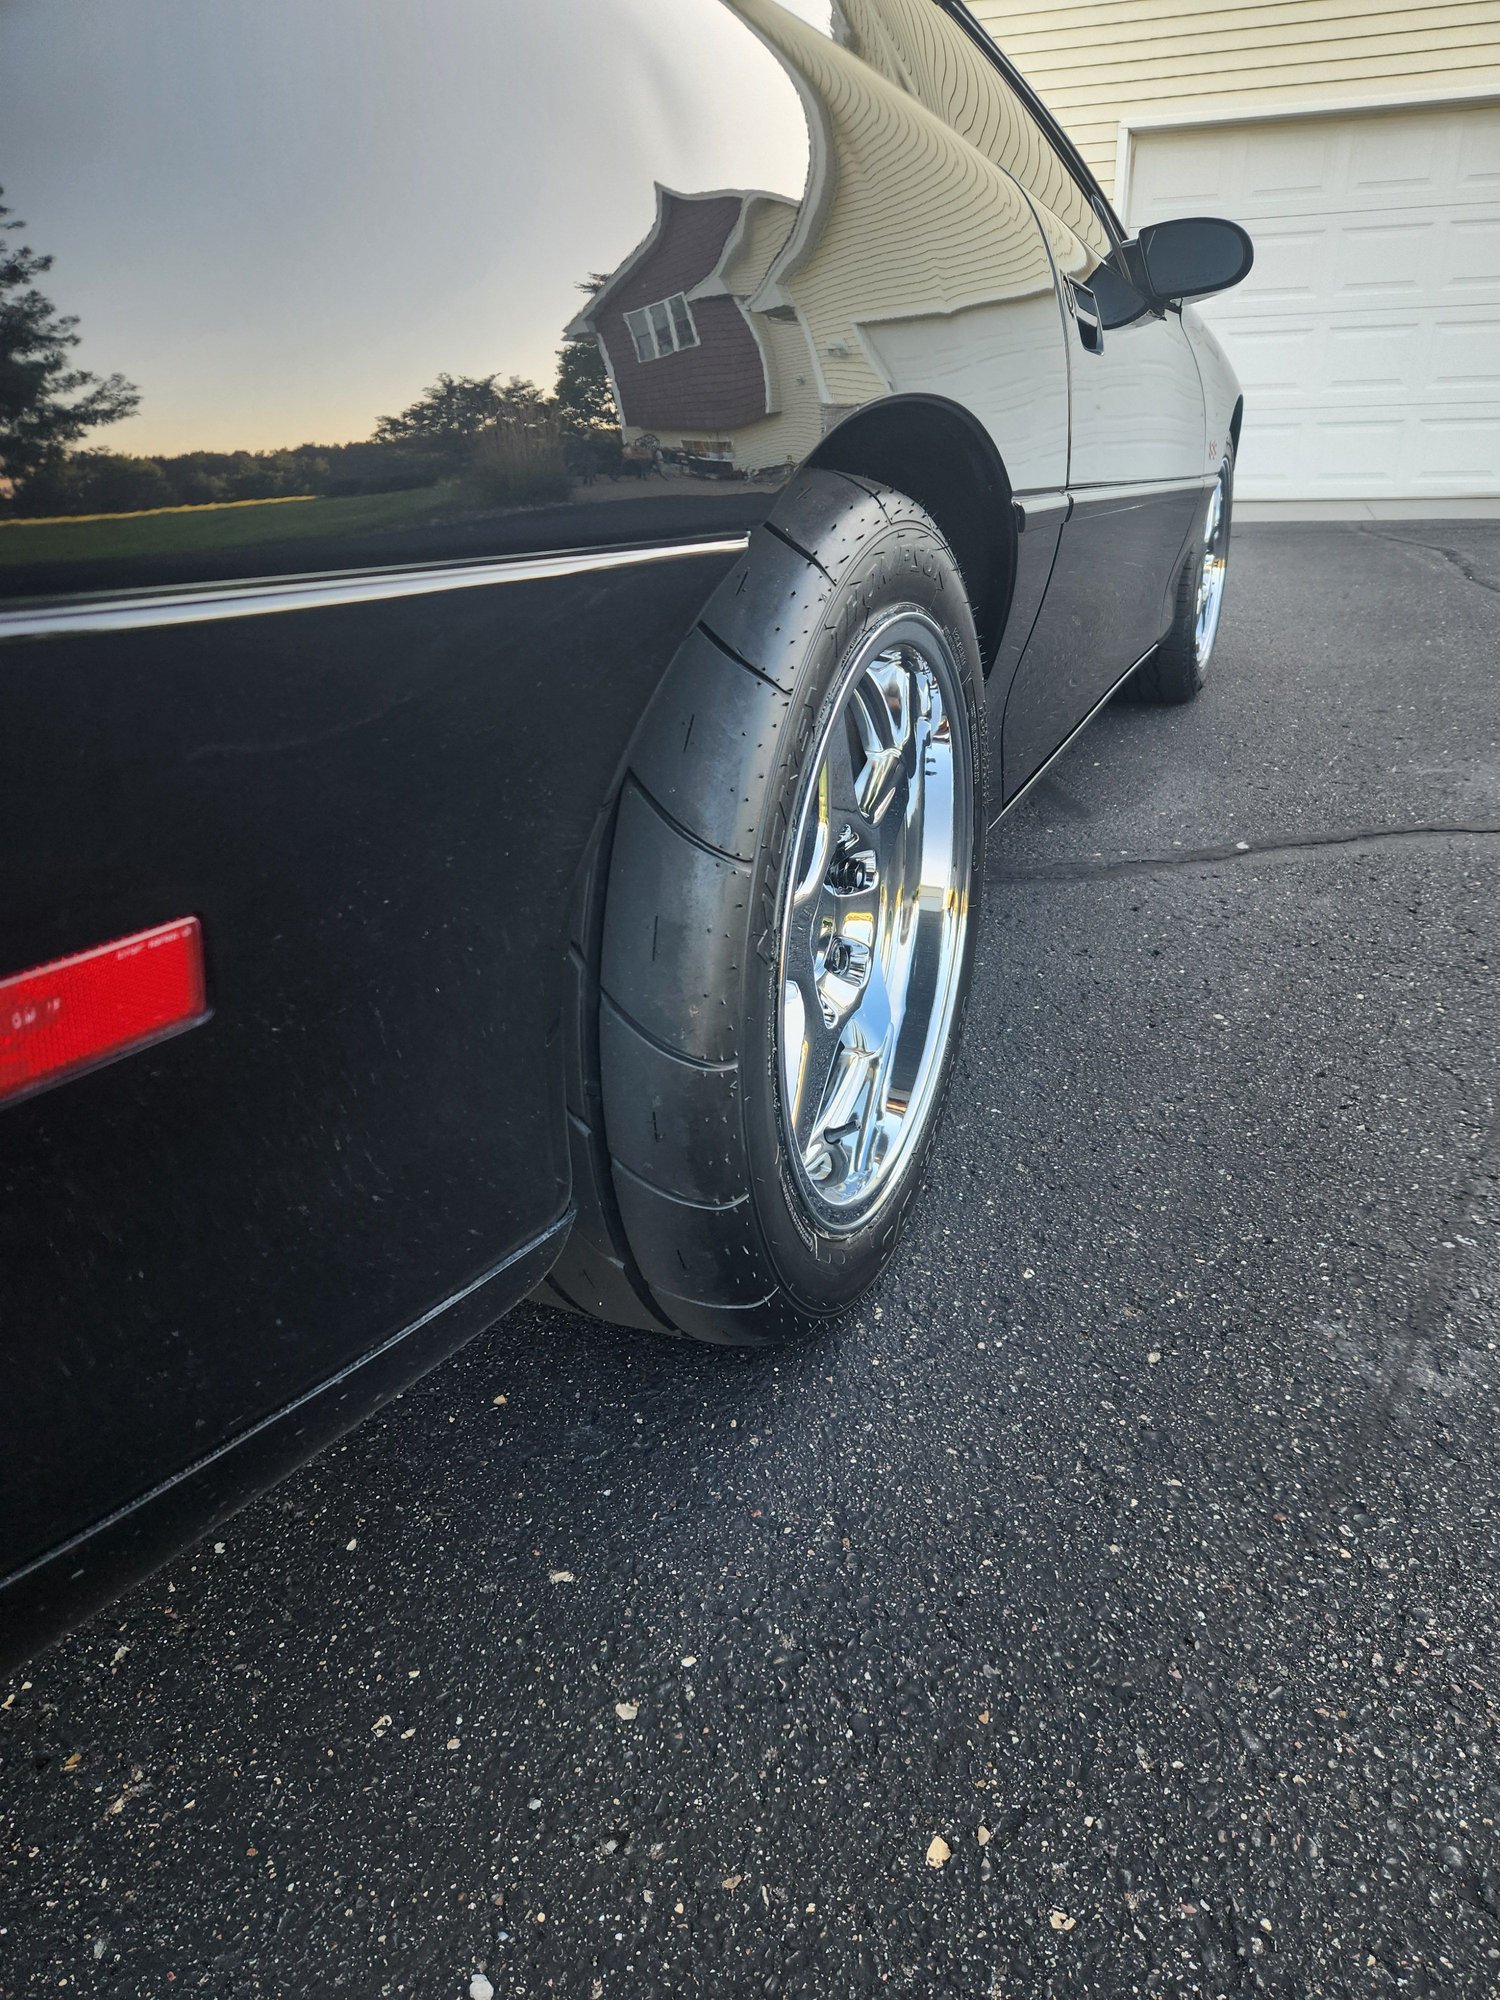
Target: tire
[
  {"x": 837, "y": 662},
  {"x": 1178, "y": 668}
]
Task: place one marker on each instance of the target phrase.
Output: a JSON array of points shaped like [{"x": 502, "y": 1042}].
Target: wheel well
[
  {"x": 936, "y": 453},
  {"x": 1234, "y": 424}
]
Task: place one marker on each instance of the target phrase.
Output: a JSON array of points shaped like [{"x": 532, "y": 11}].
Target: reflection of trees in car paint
[
  {"x": 481, "y": 439},
  {"x": 889, "y": 249},
  {"x": 47, "y": 402}
]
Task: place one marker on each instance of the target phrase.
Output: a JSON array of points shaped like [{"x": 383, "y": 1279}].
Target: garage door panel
[
  {"x": 1471, "y": 255},
  {"x": 1379, "y": 260},
  {"x": 1270, "y": 457},
  {"x": 1289, "y": 264},
  {"x": 1350, "y": 161},
  {"x": 1364, "y": 449},
  {"x": 1346, "y": 264},
  {"x": 1462, "y": 352},
  {"x": 1300, "y": 168},
  {"x": 1374, "y": 354},
  {"x": 1478, "y": 143},
  {"x": 1423, "y": 358},
  {"x": 1396, "y": 161},
  {"x": 1459, "y": 453},
  {"x": 1306, "y": 452},
  {"x": 1173, "y": 179},
  {"x": 1367, "y": 336},
  {"x": 1311, "y": 454},
  {"x": 1276, "y": 357}
]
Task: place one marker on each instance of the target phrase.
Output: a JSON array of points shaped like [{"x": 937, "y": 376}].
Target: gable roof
[{"x": 667, "y": 201}]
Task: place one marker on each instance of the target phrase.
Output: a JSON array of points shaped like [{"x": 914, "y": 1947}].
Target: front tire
[
  {"x": 1179, "y": 666},
  {"x": 770, "y": 990}
]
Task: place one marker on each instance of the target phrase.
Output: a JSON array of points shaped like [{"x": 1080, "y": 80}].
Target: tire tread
[{"x": 668, "y": 1225}]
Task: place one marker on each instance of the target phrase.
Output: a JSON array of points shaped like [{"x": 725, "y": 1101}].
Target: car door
[{"x": 1136, "y": 475}]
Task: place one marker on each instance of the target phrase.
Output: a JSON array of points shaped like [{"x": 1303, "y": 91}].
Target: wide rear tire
[{"x": 792, "y": 870}]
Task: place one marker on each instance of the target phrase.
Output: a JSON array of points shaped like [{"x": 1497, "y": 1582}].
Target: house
[
  {"x": 689, "y": 361},
  {"x": 747, "y": 323},
  {"x": 1361, "y": 148}
]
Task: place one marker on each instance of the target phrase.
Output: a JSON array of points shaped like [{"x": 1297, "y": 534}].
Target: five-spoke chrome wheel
[
  {"x": 1215, "y": 563},
  {"x": 874, "y": 919}
]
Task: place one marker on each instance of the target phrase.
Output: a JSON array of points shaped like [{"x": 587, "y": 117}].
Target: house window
[{"x": 662, "y": 329}]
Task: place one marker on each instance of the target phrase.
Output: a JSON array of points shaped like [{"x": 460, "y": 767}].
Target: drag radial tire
[
  {"x": 737, "y": 911},
  {"x": 1177, "y": 669}
]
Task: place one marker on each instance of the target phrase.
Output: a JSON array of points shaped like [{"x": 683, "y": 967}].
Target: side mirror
[{"x": 1191, "y": 258}]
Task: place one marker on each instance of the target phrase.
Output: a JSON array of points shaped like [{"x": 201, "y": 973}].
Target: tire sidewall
[{"x": 905, "y": 567}]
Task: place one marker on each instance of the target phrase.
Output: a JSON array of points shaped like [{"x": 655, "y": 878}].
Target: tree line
[{"x": 509, "y": 440}]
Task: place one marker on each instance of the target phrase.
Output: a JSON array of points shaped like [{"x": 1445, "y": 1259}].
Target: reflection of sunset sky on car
[{"x": 291, "y": 323}]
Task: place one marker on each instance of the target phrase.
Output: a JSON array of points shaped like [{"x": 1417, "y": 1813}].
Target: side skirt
[
  {"x": 56, "y": 1590},
  {"x": 1072, "y": 736}
]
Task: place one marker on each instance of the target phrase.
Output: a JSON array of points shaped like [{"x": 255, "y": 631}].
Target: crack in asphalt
[
  {"x": 1361, "y": 839},
  {"x": 1461, "y": 563}
]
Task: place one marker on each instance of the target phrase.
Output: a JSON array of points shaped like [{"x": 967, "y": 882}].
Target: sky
[{"x": 282, "y": 218}]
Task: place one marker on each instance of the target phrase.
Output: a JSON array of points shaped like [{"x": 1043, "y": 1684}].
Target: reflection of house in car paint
[
  {"x": 689, "y": 361},
  {"x": 747, "y": 323},
  {"x": 925, "y": 133}
]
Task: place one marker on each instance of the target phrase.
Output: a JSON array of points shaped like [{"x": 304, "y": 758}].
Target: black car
[{"x": 535, "y": 541}]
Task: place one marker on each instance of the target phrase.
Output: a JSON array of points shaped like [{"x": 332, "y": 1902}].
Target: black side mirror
[{"x": 1191, "y": 258}]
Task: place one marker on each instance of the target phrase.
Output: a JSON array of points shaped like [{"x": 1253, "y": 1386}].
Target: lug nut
[
  {"x": 853, "y": 869},
  {"x": 847, "y": 958}
]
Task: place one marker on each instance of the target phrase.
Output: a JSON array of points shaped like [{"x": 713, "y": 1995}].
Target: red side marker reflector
[{"x": 67, "y": 1016}]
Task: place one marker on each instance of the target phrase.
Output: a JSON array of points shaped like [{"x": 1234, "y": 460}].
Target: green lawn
[{"x": 191, "y": 530}]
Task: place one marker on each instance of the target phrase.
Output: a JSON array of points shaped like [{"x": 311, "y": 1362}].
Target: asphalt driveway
[{"x": 1109, "y": 1609}]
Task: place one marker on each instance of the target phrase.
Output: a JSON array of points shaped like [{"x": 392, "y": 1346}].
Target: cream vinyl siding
[
  {"x": 797, "y": 425},
  {"x": 757, "y": 243},
  {"x": 912, "y": 219},
  {"x": 794, "y": 422},
  {"x": 927, "y": 54},
  {"x": 1098, "y": 63}
]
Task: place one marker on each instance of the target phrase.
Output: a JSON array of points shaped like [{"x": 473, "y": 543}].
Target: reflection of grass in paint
[
  {"x": 140, "y": 513},
  {"x": 238, "y": 524}
]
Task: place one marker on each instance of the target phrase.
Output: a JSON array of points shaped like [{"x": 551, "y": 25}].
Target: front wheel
[
  {"x": 1179, "y": 666},
  {"x": 770, "y": 993}
]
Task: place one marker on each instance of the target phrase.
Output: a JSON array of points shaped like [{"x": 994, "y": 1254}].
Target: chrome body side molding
[{"x": 320, "y": 593}]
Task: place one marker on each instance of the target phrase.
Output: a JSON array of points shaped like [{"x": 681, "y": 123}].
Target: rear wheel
[
  {"x": 773, "y": 958},
  {"x": 1179, "y": 666}
]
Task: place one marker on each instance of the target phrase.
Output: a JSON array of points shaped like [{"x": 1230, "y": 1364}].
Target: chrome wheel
[
  {"x": 1215, "y": 562},
  {"x": 874, "y": 920}
]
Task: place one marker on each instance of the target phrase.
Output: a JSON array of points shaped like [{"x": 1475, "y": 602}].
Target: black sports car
[{"x": 536, "y": 541}]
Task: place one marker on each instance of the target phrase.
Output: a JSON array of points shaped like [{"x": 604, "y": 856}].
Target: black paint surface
[
  {"x": 1145, "y": 1517},
  {"x": 364, "y": 807}
]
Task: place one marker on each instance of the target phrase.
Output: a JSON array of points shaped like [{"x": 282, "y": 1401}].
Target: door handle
[{"x": 1086, "y": 313}]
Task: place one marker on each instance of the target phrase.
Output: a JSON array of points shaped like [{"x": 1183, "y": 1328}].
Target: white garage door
[{"x": 1368, "y": 335}]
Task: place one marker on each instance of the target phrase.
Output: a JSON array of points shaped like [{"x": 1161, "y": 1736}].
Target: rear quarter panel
[
  {"x": 281, "y": 225},
  {"x": 1221, "y": 386}
]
